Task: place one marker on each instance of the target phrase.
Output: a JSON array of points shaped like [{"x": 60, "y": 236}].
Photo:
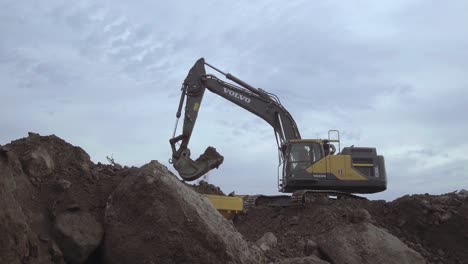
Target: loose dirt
[
  {"x": 433, "y": 225},
  {"x": 54, "y": 201}
]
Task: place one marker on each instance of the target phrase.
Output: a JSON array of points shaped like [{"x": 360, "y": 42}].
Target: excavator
[{"x": 305, "y": 165}]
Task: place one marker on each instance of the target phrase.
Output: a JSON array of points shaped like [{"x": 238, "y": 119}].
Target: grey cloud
[
  {"x": 422, "y": 152},
  {"x": 407, "y": 178},
  {"x": 106, "y": 75},
  {"x": 445, "y": 110}
]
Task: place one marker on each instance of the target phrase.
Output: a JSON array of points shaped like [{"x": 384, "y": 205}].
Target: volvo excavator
[{"x": 306, "y": 165}]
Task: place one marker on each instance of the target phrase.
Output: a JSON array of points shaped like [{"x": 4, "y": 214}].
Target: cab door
[{"x": 319, "y": 163}]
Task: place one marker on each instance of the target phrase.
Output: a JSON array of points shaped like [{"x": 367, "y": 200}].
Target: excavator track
[
  {"x": 300, "y": 198},
  {"x": 297, "y": 199},
  {"x": 267, "y": 200}
]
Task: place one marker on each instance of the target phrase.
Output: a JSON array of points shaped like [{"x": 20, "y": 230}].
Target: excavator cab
[
  {"x": 313, "y": 164},
  {"x": 303, "y": 154}
]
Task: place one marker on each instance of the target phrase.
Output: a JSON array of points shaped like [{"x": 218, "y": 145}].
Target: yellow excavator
[{"x": 305, "y": 165}]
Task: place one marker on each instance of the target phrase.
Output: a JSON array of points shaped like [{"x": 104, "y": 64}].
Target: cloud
[{"x": 106, "y": 76}]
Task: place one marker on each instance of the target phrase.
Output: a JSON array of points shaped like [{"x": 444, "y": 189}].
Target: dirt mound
[
  {"x": 341, "y": 229},
  {"x": 57, "y": 207},
  {"x": 47, "y": 185},
  {"x": 434, "y": 226},
  {"x": 153, "y": 218},
  {"x": 16, "y": 234},
  {"x": 54, "y": 200},
  {"x": 204, "y": 187}
]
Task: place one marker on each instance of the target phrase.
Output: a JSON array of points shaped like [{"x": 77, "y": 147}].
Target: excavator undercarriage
[{"x": 297, "y": 199}]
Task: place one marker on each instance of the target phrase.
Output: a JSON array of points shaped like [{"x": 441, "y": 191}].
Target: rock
[
  {"x": 290, "y": 233},
  {"x": 360, "y": 215},
  {"x": 72, "y": 206},
  {"x": 64, "y": 184},
  {"x": 56, "y": 254},
  {"x": 30, "y": 197},
  {"x": 268, "y": 239},
  {"x": 310, "y": 247},
  {"x": 264, "y": 247},
  {"x": 301, "y": 245},
  {"x": 365, "y": 243},
  {"x": 462, "y": 193},
  {"x": 294, "y": 220},
  {"x": 38, "y": 163},
  {"x": 14, "y": 230},
  {"x": 426, "y": 204},
  {"x": 78, "y": 234},
  {"x": 152, "y": 217},
  {"x": 442, "y": 199},
  {"x": 444, "y": 217},
  {"x": 306, "y": 260},
  {"x": 43, "y": 238}
]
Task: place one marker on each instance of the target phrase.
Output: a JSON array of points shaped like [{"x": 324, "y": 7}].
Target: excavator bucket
[{"x": 191, "y": 170}]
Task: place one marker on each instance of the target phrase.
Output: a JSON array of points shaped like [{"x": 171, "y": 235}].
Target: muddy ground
[{"x": 54, "y": 201}]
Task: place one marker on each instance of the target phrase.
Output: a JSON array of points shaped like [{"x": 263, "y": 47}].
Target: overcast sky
[{"x": 106, "y": 76}]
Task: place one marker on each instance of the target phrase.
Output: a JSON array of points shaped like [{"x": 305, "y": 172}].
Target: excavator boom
[{"x": 254, "y": 100}]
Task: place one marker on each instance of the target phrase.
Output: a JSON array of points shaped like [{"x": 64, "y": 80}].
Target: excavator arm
[{"x": 261, "y": 103}]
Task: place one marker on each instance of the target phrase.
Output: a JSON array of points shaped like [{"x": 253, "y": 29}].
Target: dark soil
[
  {"x": 64, "y": 178},
  {"x": 204, "y": 187},
  {"x": 434, "y": 226}
]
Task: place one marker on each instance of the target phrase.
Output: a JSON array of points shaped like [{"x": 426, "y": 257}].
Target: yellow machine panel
[
  {"x": 228, "y": 206},
  {"x": 338, "y": 165}
]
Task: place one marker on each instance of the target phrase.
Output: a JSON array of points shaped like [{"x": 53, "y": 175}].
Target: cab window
[{"x": 302, "y": 155}]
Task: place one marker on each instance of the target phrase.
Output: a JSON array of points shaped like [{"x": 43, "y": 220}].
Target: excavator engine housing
[{"x": 308, "y": 165}]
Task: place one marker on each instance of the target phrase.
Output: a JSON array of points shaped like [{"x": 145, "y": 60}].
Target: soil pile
[
  {"x": 204, "y": 187},
  {"x": 54, "y": 201},
  {"x": 433, "y": 226},
  {"x": 154, "y": 218},
  {"x": 60, "y": 207}
]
